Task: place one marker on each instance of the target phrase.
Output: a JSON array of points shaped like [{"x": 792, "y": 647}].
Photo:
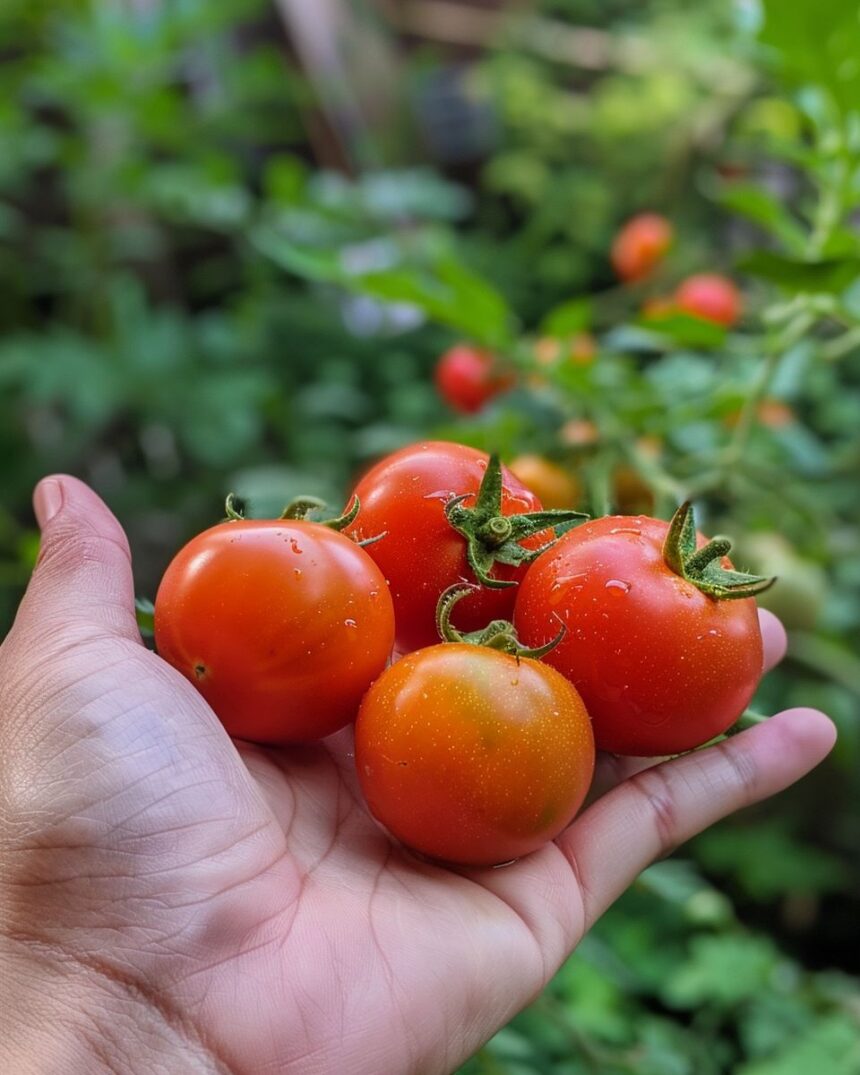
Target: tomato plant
[
  {"x": 281, "y": 624},
  {"x": 473, "y": 754},
  {"x": 640, "y": 246},
  {"x": 448, "y": 513},
  {"x": 467, "y": 378},
  {"x": 710, "y": 297},
  {"x": 663, "y": 640}
]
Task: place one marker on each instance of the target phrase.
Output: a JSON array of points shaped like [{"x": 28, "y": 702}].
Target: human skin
[{"x": 171, "y": 901}]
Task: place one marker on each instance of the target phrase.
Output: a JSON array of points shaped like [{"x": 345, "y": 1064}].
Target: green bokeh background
[{"x": 203, "y": 271}]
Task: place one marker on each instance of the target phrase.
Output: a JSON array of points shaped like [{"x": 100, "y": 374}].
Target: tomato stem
[
  {"x": 499, "y": 634},
  {"x": 702, "y": 567},
  {"x": 492, "y": 537}
]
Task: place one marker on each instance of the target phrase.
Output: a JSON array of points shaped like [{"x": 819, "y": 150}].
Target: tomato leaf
[
  {"x": 762, "y": 208},
  {"x": 828, "y": 275}
]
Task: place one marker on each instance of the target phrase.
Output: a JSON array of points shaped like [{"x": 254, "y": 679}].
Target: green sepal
[
  {"x": 498, "y": 634},
  {"x": 302, "y": 507},
  {"x": 492, "y": 537},
  {"x": 702, "y": 567}
]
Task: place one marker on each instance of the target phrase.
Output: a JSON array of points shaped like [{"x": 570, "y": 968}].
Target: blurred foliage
[{"x": 189, "y": 305}]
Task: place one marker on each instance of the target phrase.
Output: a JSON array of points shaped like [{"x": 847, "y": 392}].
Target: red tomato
[
  {"x": 473, "y": 756},
  {"x": 710, "y": 297},
  {"x": 281, "y": 625},
  {"x": 661, "y": 665},
  {"x": 640, "y": 245},
  {"x": 467, "y": 378},
  {"x": 404, "y": 497}
]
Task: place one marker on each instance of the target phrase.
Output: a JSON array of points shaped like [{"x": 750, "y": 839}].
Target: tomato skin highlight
[
  {"x": 467, "y": 378},
  {"x": 281, "y": 625},
  {"x": 710, "y": 297},
  {"x": 661, "y": 667},
  {"x": 640, "y": 246},
  {"x": 421, "y": 554},
  {"x": 473, "y": 756}
]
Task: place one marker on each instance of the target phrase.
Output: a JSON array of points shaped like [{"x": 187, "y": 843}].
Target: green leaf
[
  {"x": 761, "y": 207},
  {"x": 722, "y": 970},
  {"x": 831, "y": 1045},
  {"x": 828, "y": 276},
  {"x": 567, "y": 318},
  {"x": 816, "y": 43},
  {"x": 443, "y": 288},
  {"x": 145, "y": 612}
]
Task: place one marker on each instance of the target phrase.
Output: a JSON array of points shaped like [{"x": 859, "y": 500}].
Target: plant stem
[{"x": 793, "y": 332}]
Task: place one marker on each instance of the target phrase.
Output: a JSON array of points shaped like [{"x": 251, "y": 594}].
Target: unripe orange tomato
[{"x": 640, "y": 245}]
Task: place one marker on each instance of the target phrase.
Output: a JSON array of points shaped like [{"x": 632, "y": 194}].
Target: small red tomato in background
[
  {"x": 710, "y": 297},
  {"x": 405, "y": 496},
  {"x": 281, "y": 625},
  {"x": 663, "y": 660},
  {"x": 640, "y": 245},
  {"x": 467, "y": 378},
  {"x": 471, "y": 755},
  {"x": 553, "y": 485}
]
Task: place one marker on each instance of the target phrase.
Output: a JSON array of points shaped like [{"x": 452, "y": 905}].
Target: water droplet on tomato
[
  {"x": 626, "y": 530},
  {"x": 350, "y": 623},
  {"x": 297, "y": 571},
  {"x": 294, "y": 545},
  {"x": 617, "y": 587}
]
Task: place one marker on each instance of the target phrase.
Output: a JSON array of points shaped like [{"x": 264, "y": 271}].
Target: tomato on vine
[
  {"x": 710, "y": 297},
  {"x": 474, "y": 754},
  {"x": 468, "y": 377},
  {"x": 663, "y": 639},
  {"x": 446, "y": 514},
  {"x": 281, "y": 624},
  {"x": 554, "y": 486},
  {"x": 640, "y": 246}
]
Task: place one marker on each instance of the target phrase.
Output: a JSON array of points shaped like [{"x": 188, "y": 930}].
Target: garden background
[{"x": 235, "y": 239}]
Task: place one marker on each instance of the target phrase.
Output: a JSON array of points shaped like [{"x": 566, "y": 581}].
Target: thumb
[{"x": 83, "y": 573}]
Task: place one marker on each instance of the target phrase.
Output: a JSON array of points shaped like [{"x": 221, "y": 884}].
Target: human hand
[{"x": 172, "y": 901}]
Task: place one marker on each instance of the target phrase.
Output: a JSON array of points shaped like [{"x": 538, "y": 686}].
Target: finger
[
  {"x": 83, "y": 572},
  {"x": 654, "y": 811},
  {"x": 774, "y": 641}
]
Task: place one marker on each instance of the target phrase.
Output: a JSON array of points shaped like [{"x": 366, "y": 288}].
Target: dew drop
[
  {"x": 617, "y": 587},
  {"x": 626, "y": 530},
  {"x": 294, "y": 545},
  {"x": 350, "y": 623},
  {"x": 297, "y": 571}
]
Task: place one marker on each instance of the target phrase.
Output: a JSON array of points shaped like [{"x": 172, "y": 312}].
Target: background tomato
[
  {"x": 280, "y": 625},
  {"x": 661, "y": 666},
  {"x": 473, "y": 756},
  {"x": 710, "y": 297},
  {"x": 468, "y": 377},
  {"x": 404, "y": 497},
  {"x": 640, "y": 245},
  {"x": 552, "y": 484}
]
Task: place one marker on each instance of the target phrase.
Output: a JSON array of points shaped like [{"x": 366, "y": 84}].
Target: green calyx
[
  {"x": 492, "y": 537},
  {"x": 702, "y": 567},
  {"x": 300, "y": 510},
  {"x": 499, "y": 634}
]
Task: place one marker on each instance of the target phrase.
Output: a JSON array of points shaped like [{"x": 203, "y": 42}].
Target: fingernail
[{"x": 47, "y": 500}]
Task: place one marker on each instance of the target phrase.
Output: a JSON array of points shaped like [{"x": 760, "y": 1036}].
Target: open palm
[{"x": 177, "y": 902}]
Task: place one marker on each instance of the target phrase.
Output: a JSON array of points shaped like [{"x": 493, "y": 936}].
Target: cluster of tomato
[
  {"x": 557, "y": 636},
  {"x": 468, "y": 377}
]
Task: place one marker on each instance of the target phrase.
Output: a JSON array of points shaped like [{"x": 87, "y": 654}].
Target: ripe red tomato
[
  {"x": 404, "y": 498},
  {"x": 640, "y": 245},
  {"x": 661, "y": 665},
  {"x": 710, "y": 297},
  {"x": 281, "y": 625},
  {"x": 467, "y": 378},
  {"x": 471, "y": 755}
]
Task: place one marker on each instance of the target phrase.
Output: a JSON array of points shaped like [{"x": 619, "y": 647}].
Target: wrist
[{"x": 58, "y": 1014}]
